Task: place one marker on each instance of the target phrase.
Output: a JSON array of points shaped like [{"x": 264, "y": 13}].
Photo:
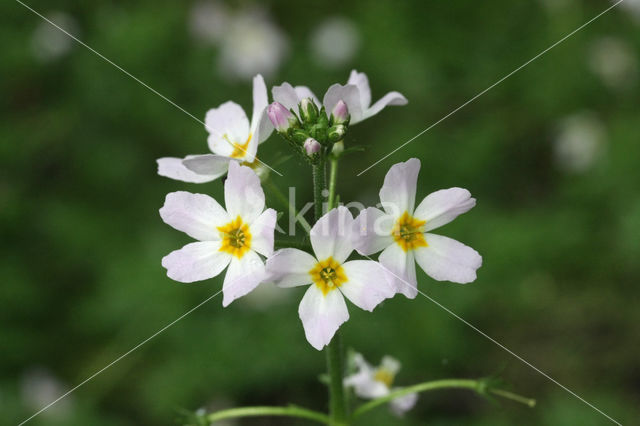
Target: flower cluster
[{"x": 240, "y": 236}]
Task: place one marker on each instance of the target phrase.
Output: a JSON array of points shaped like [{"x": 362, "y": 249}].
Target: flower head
[
  {"x": 323, "y": 309},
  {"x": 281, "y": 118},
  {"x": 371, "y": 382},
  {"x": 231, "y": 137},
  {"x": 402, "y": 232},
  {"x": 311, "y": 146},
  {"x": 340, "y": 113},
  {"x": 235, "y": 237}
]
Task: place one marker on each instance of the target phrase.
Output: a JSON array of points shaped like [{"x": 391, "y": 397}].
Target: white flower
[
  {"x": 48, "y": 42},
  {"x": 356, "y": 94},
  {"x": 402, "y": 232},
  {"x": 233, "y": 237},
  {"x": 334, "y": 42},
  {"x": 252, "y": 44},
  {"x": 614, "y": 61},
  {"x": 208, "y": 20},
  {"x": 323, "y": 309},
  {"x": 231, "y": 137},
  {"x": 39, "y": 386},
  {"x": 370, "y": 382}
]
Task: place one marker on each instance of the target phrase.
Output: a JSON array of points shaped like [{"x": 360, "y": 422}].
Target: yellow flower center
[
  {"x": 328, "y": 275},
  {"x": 239, "y": 149},
  {"x": 408, "y": 232},
  {"x": 236, "y": 238},
  {"x": 385, "y": 376}
]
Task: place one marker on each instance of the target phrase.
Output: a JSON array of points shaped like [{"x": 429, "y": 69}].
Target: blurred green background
[{"x": 551, "y": 154}]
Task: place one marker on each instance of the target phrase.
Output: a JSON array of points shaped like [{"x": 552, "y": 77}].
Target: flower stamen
[
  {"x": 236, "y": 238},
  {"x": 408, "y": 232},
  {"x": 328, "y": 275}
]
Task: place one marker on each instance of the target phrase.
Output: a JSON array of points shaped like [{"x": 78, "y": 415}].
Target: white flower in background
[
  {"x": 632, "y": 7},
  {"x": 579, "y": 142},
  {"x": 614, "y": 61},
  {"x": 231, "y": 137},
  {"x": 48, "y": 42},
  {"x": 323, "y": 309},
  {"x": 370, "y": 382},
  {"x": 402, "y": 233},
  {"x": 39, "y": 387},
  {"x": 356, "y": 94},
  {"x": 252, "y": 44},
  {"x": 208, "y": 20},
  {"x": 233, "y": 237},
  {"x": 334, "y": 42}
]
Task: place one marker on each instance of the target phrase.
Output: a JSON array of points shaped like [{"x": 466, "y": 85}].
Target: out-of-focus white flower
[
  {"x": 402, "y": 233},
  {"x": 252, "y": 44},
  {"x": 40, "y": 387},
  {"x": 370, "y": 382},
  {"x": 579, "y": 142},
  {"x": 614, "y": 61},
  {"x": 356, "y": 94},
  {"x": 231, "y": 137},
  {"x": 208, "y": 20},
  {"x": 323, "y": 309},
  {"x": 632, "y": 7},
  {"x": 233, "y": 237},
  {"x": 334, "y": 42},
  {"x": 48, "y": 42}
]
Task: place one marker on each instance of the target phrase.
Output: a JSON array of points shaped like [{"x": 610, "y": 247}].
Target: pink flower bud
[
  {"x": 340, "y": 113},
  {"x": 311, "y": 146},
  {"x": 280, "y": 116}
]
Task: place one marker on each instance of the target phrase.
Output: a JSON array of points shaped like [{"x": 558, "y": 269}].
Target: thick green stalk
[
  {"x": 290, "y": 411},
  {"x": 333, "y": 179}
]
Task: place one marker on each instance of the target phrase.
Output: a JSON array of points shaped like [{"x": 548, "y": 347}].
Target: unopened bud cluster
[{"x": 310, "y": 131}]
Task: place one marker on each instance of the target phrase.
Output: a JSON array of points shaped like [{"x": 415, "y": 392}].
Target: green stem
[
  {"x": 333, "y": 178},
  {"x": 335, "y": 369},
  {"x": 290, "y": 411},
  {"x": 318, "y": 186},
  {"x": 478, "y": 386}
]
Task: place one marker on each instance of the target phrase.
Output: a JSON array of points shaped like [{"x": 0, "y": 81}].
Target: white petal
[
  {"x": 228, "y": 119},
  {"x": 404, "y": 403},
  {"x": 197, "y": 215},
  {"x": 243, "y": 195},
  {"x": 398, "y": 194},
  {"x": 173, "y": 168},
  {"x": 391, "y": 98},
  {"x": 262, "y": 230},
  {"x": 196, "y": 262},
  {"x": 264, "y": 129},
  {"x": 290, "y": 267},
  {"x": 242, "y": 277},
  {"x": 372, "y": 231},
  {"x": 331, "y": 235},
  {"x": 322, "y": 315},
  {"x": 362, "y": 82},
  {"x": 441, "y": 207},
  {"x": 207, "y": 165},
  {"x": 350, "y": 95},
  {"x": 365, "y": 386},
  {"x": 260, "y": 101},
  {"x": 367, "y": 284},
  {"x": 445, "y": 259},
  {"x": 401, "y": 269},
  {"x": 286, "y": 95},
  {"x": 304, "y": 92},
  {"x": 390, "y": 364}
]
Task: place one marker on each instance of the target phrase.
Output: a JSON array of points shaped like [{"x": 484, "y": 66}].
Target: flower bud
[
  {"x": 308, "y": 110},
  {"x": 281, "y": 117},
  {"x": 340, "y": 113},
  {"x": 311, "y": 146},
  {"x": 337, "y": 132}
]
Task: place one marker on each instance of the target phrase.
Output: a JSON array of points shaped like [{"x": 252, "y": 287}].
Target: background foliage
[{"x": 82, "y": 239}]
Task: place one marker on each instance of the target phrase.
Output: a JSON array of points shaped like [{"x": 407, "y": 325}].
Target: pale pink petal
[
  {"x": 398, "y": 194},
  {"x": 262, "y": 230},
  {"x": 196, "y": 262},
  {"x": 243, "y": 194},
  {"x": 372, "y": 231},
  {"x": 243, "y": 275},
  {"x": 367, "y": 284},
  {"x": 207, "y": 165},
  {"x": 401, "y": 269},
  {"x": 286, "y": 95},
  {"x": 304, "y": 92},
  {"x": 322, "y": 315},
  {"x": 362, "y": 82},
  {"x": 228, "y": 119},
  {"x": 445, "y": 259},
  {"x": 290, "y": 267},
  {"x": 173, "y": 168},
  {"x": 197, "y": 215},
  {"x": 391, "y": 98},
  {"x": 331, "y": 235},
  {"x": 350, "y": 95},
  {"x": 400, "y": 405},
  {"x": 441, "y": 207}
]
